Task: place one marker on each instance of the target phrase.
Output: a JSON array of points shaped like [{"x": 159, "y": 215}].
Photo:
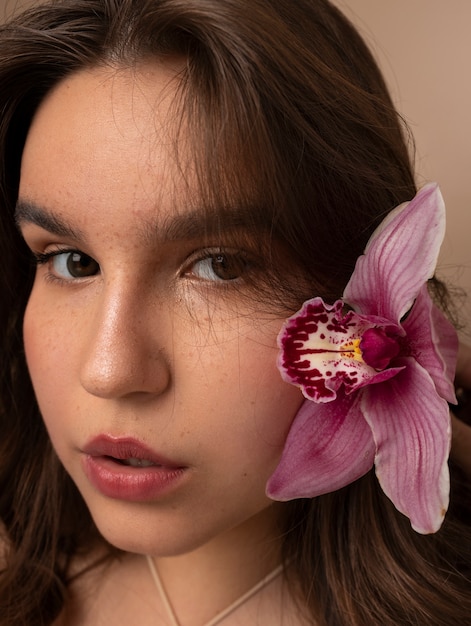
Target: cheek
[
  {"x": 273, "y": 403},
  {"x": 249, "y": 407},
  {"x": 48, "y": 342},
  {"x": 51, "y": 345},
  {"x": 244, "y": 438},
  {"x": 39, "y": 347}
]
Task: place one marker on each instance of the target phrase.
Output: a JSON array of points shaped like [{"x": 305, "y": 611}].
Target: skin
[{"x": 151, "y": 342}]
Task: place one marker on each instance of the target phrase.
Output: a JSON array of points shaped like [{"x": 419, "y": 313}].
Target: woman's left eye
[{"x": 220, "y": 266}]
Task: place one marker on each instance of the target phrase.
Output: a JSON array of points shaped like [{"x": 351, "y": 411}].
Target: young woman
[{"x": 178, "y": 177}]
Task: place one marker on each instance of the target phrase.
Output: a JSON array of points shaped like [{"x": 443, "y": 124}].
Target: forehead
[
  {"x": 113, "y": 129},
  {"x": 108, "y": 146},
  {"x": 135, "y": 101}
]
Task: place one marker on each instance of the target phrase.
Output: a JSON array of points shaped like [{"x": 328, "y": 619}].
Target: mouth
[
  {"x": 126, "y": 469},
  {"x": 128, "y": 452},
  {"x": 133, "y": 462}
]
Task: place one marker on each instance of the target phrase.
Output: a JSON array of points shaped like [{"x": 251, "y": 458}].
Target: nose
[{"x": 124, "y": 353}]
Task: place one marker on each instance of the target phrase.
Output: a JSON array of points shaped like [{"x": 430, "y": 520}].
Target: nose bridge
[{"x": 123, "y": 354}]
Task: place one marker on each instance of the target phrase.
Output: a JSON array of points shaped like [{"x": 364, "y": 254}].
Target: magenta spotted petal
[
  {"x": 376, "y": 369},
  {"x": 321, "y": 350}
]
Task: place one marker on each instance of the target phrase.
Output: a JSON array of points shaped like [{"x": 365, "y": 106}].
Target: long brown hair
[{"x": 289, "y": 115}]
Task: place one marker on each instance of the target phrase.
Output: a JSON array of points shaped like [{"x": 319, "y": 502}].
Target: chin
[
  {"x": 160, "y": 533},
  {"x": 166, "y": 531}
]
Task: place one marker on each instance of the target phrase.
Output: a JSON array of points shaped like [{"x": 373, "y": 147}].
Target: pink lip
[{"x": 101, "y": 464}]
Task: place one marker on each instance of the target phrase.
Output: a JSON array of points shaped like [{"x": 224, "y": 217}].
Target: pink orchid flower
[{"x": 376, "y": 369}]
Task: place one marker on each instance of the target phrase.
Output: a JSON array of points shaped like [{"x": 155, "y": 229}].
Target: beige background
[{"x": 424, "y": 48}]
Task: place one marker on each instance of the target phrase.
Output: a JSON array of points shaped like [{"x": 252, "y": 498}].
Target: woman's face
[{"x": 153, "y": 363}]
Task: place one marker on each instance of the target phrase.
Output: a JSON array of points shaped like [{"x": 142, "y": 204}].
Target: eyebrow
[
  {"x": 29, "y": 212},
  {"x": 196, "y": 223},
  {"x": 201, "y": 222}
]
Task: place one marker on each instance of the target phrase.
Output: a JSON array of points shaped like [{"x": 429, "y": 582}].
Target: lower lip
[{"x": 134, "y": 484}]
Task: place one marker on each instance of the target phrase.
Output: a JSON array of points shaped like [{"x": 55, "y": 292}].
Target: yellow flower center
[{"x": 351, "y": 350}]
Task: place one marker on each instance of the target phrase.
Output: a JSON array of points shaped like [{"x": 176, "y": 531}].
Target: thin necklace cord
[{"x": 217, "y": 619}]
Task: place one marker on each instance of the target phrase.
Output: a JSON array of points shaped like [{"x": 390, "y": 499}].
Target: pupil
[
  {"x": 226, "y": 269},
  {"x": 80, "y": 265}
]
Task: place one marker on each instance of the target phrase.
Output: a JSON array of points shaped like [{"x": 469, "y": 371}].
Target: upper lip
[{"x": 125, "y": 448}]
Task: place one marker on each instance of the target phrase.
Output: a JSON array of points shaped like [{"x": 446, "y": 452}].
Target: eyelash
[
  {"x": 244, "y": 265},
  {"x": 45, "y": 258},
  {"x": 41, "y": 258},
  {"x": 227, "y": 259}
]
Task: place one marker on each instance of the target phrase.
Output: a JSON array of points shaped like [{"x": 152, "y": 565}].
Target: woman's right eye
[{"x": 69, "y": 264}]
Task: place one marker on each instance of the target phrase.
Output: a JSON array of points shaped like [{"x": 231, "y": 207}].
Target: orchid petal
[
  {"x": 328, "y": 447},
  {"x": 434, "y": 343},
  {"x": 320, "y": 350},
  {"x": 376, "y": 381},
  {"x": 446, "y": 343},
  {"x": 400, "y": 256},
  {"x": 411, "y": 428}
]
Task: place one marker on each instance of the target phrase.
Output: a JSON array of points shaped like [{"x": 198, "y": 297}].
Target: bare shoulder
[
  {"x": 84, "y": 574},
  {"x": 113, "y": 590}
]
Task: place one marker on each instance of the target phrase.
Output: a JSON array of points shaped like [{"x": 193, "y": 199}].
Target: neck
[
  {"x": 225, "y": 613},
  {"x": 202, "y": 583}
]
